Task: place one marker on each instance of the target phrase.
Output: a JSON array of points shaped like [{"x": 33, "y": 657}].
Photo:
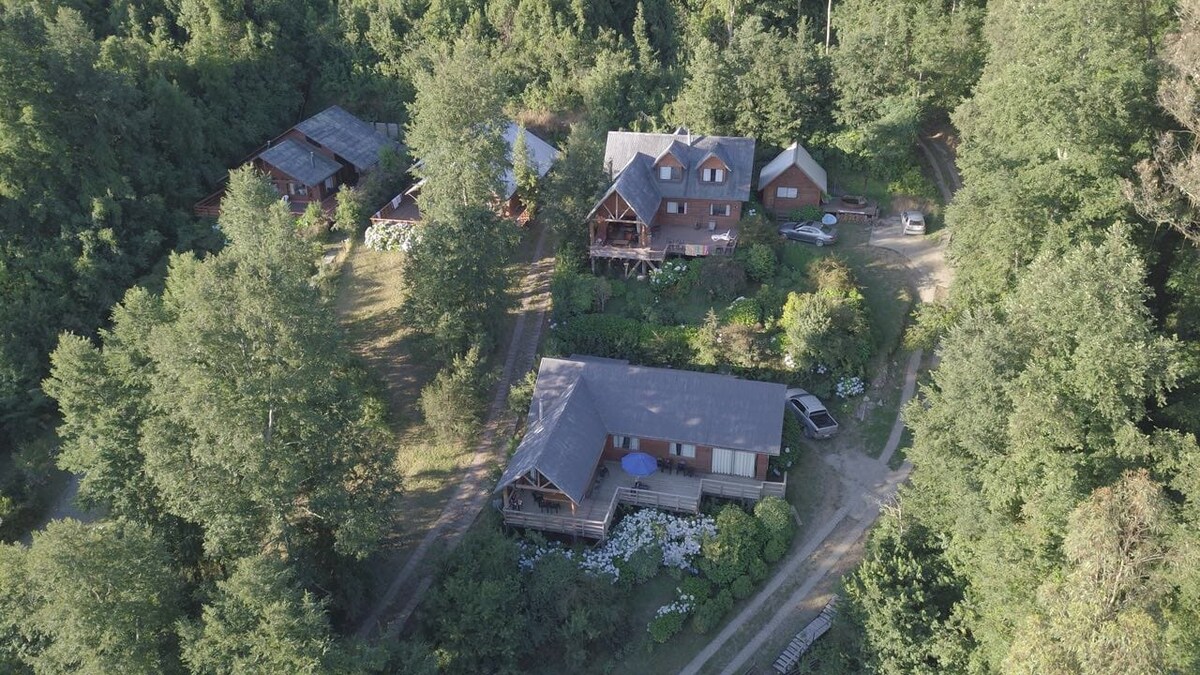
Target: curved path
[{"x": 867, "y": 483}]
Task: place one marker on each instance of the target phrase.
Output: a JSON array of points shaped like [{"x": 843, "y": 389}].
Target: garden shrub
[
  {"x": 831, "y": 273},
  {"x": 722, "y": 277},
  {"x": 742, "y": 587},
  {"x": 758, "y": 229},
  {"x": 672, "y": 277},
  {"x": 697, "y": 587},
  {"x": 760, "y": 261},
  {"x": 453, "y": 401},
  {"x": 912, "y": 183},
  {"x": 710, "y": 613},
  {"x": 663, "y": 626},
  {"x": 789, "y": 454},
  {"x": 741, "y": 346},
  {"x": 390, "y": 236},
  {"x": 520, "y": 394},
  {"x": 806, "y": 212},
  {"x": 349, "y": 214},
  {"x": 744, "y": 311},
  {"x": 642, "y": 566},
  {"x": 774, "y": 515},
  {"x": 572, "y": 294},
  {"x": 734, "y": 549},
  {"x": 622, "y": 338},
  {"x": 827, "y": 329}
]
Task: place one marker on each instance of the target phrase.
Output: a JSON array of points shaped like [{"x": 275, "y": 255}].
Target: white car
[{"x": 913, "y": 222}]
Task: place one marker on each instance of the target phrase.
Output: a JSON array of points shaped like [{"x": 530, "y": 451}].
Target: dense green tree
[
  {"x": 1059, "y": 115},
  {"x": 573, "y": 187},
  {"x": 896, "y": 63},
  {"x": 98, "y": 598},
  {"x": 248, "y": 418},
  {"x": 455, "y": 129},
  {"x": 261, "y": 620},
  {"x": 1023, "y": 420},
  {"x": 903, "y": 597},
  {"x": 457, "y": 277}
]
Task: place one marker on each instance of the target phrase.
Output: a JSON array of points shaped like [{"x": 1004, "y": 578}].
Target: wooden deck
[
  {"x": 671, "y": 492},
  {"x": 671, "y": 240}
]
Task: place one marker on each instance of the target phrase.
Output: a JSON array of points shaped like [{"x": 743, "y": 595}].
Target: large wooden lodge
[{"x": 711, "y": 434}]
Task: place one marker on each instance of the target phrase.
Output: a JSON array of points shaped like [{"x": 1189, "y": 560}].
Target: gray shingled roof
[
  {"x": 563, "y": 442},
  {"x": 793, "y": 155},
  {"x": 301, "y": 162},
  {"x": 636, "y": 185},
  {"x": 737, "y": 153},
  {"x": 565, "y": 439},
  {"x": 542, "y": 155},
  {"x": 346, "y": 135}
]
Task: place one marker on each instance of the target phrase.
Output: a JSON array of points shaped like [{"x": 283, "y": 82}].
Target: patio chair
[{"x": 681, "y": 466}]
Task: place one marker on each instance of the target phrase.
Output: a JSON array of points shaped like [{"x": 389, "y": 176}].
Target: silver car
[
  {"x": 913, "y": 222},
  {"x": 810, "y": 231}
]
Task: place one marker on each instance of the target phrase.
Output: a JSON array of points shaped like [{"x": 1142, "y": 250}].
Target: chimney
[
  {"x": 540, "y": 410},
  {"x": 312, "y": 159}
]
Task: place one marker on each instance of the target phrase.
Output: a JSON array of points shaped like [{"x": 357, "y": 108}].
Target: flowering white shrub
[
  {"x": 667, "y": 276},
  {"x": 390, "y": 236},
  {"x": 848, "y": 387},
  {"x": 678, "y": 536},
  {"x": 683, "y": 605}
]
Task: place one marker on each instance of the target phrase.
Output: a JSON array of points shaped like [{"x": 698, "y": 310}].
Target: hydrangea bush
[
  {"x": 390, "y": 236},
  {"x": 669, "y": 275},
  {"x": 849, "y": 387},
  {"x": 679, "y": 538},
  {"x": 669, "y": 618}
]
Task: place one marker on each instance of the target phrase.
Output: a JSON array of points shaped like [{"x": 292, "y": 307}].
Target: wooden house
[
  {"x": 671, "y": 194},
  {"x": 712, "y": 435},
  {"x": 790, "y": 181},
  {"x": 403, "y": 207},
  {"x": 311, "y": 161}
]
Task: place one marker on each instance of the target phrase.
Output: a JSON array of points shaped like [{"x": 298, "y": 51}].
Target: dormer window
[
  {"x": 712, "y": 175},
  {"x": 669, "y": 173}
]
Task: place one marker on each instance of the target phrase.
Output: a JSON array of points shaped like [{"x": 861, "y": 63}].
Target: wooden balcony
[{"x": 664, "y": 490}]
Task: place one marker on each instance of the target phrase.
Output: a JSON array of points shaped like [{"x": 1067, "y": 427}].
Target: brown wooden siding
[
  {"x": 697, "y": 212},
  {"x": 655, "y": 448},
  {"x": 807, "y": 192}
]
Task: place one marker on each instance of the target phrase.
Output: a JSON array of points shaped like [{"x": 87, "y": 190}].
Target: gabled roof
[
  {"x": 300, "y": 161},
  {"x": 795, "y": 155},
  {"x": 578, "y": 401},
  {"x": 636, "y": 185},
  {"x": 542, "y": 155},
  {"x": 737, "y": 153},
  {"x": 563, "y": 442},
  {"x": 677, "y": 150},
  {"x": 347, "y": 136}
]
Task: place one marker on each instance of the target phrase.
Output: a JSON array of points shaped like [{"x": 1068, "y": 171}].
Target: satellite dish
[{"x": 829, "y": 219}]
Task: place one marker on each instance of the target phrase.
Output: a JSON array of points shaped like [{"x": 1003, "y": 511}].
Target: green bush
[
  {"x": 710, "y": 613},
  {"x": 744, "y": 312},
  {"x": 808, "y": 212},
  {"x": 735, "y": 550},
  {"x": 672, "y": 277},
  {"x": 520, "y": 394},
  {"x": 760, "y": 261},
  {"x": 349, "y": 215},
  {"x": 622, "y": 338},
  {"x": 742, "y": 587},
  {"x": 453, "y": 401},
  {"x": 828, "y": 330},
  {"x": 774, "y": 515},
  {"x": 789, "y": 454},
  {"x": 641, "y": 567},
  {"x": 911, "y": 182},
  {"x": 697, "y": 587},
  {"x": 774, "y": 550},
  {"x": 722, "y": 277},
  {"x": 664, "y": 626}
]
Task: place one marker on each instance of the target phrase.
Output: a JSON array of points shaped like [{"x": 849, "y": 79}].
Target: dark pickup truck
[{"x": 817, "y": 421}]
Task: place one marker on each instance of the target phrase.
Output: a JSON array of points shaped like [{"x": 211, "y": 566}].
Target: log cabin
[
  {"x": 313, "y": 160},
  {"x": 793, "y": 179},
  {"x": 403, "y": 207},
  {"x": 674, "y": 193},
  {"x": 711, "y": 434}
]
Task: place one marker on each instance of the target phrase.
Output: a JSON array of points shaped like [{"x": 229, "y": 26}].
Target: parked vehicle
[
  {"x": 817, "y": 421},
  {"x": 810, "y": 231},
  {"x": 913, "y": 221},
  {"x": 852, "y": 206}
]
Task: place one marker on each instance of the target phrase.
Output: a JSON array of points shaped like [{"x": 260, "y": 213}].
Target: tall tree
[
  {"x": 1058, "y": 117},
  {"x": 248, "y": 417},
  {"x": 456, "y": 128},
  {"x": 99, "y": 598}
]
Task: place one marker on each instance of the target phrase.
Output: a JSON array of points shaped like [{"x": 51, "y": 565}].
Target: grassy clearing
[{"x": 368, "y": 302}]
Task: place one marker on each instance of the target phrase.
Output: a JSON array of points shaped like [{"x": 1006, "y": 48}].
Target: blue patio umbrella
[{"x": 639, "y": 464}]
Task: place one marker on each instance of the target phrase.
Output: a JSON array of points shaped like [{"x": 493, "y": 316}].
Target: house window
[
  {"x": 669, "y": 173},
  {"x": 329, "y": 183},
  {"x": 291, "y": 188},
  {"x": 302, "y": 189},
  {"x": 676, "y": 207},
  {"x": 625, "y": 442},
  {"x": 718, "y": 210},
  {"x": 683, "y": 450},
  {"x": 786, "y": 192},
  {"x": 712, "y": 176}
]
